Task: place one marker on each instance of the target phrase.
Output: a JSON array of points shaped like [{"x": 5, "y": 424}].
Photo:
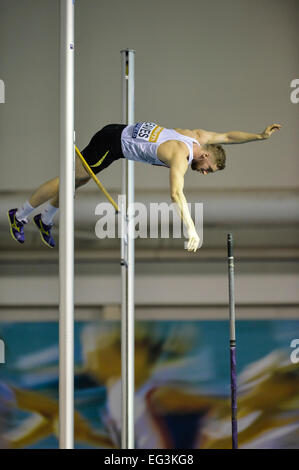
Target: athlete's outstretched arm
[
  {"x": 178, "y": 168},
  {"x": 235, "y": 137}
]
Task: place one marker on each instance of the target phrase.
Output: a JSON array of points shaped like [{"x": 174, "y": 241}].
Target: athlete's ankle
[
  {"x": 48, "y": 214},
  {"x": 25, "y": 210}
]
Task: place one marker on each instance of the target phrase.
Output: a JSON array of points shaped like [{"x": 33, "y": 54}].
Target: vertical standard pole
[
  {"x": 233, "y": 370},
  {"x": 127, "y": 261},
  {"x": 66, "y": 228}
]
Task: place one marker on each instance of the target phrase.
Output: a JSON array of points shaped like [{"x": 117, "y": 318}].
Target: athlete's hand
[
  {"x": 270, "y": 130},
  {"x": 193, "y": 241}
]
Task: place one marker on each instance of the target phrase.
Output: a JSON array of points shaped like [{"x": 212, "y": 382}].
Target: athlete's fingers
[
  {"x": 196, "y": 245},
  {"x": 192, "y": 244},
  {"x": 275, "y": 127}
]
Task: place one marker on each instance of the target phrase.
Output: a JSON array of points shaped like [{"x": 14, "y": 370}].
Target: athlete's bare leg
[
  {"x": 50, "y": 189},
  {"x": 45, "y": 192},
  {"x": 78, "y": 183}
]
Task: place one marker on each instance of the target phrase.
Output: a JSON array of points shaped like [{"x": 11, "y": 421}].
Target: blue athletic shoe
[
  {"x": 44, "y": 230},
  {"x": 16, "y": 226}
]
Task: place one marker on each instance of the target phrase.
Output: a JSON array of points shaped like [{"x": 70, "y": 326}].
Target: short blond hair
[{"x": 218, "y": 153}]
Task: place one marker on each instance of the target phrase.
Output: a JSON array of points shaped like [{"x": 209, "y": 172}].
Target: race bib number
[{"x": 148, "y": 131}]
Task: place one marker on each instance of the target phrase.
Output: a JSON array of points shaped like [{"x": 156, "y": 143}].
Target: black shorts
[{"x": 104, "y": 147}]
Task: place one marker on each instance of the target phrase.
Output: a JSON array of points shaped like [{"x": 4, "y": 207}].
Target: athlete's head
[{"x": 208, "y": 158}]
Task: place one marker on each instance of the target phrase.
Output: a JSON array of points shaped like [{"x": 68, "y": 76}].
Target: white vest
[{"x": 140, "y": 142}]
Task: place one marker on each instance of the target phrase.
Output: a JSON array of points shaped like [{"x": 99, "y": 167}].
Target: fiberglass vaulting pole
[
  {"x": 127, "y": 259},
  {"x": 232, "y": 319},
  {"x": 66, "y": 228}
]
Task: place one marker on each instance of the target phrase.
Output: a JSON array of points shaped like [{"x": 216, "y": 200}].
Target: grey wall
[
  {"x": 213, "y": 64},
  {"x": 219, "y": 65}
]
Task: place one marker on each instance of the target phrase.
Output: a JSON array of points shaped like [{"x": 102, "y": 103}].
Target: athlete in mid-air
[{"x": 147, "y": 142}]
